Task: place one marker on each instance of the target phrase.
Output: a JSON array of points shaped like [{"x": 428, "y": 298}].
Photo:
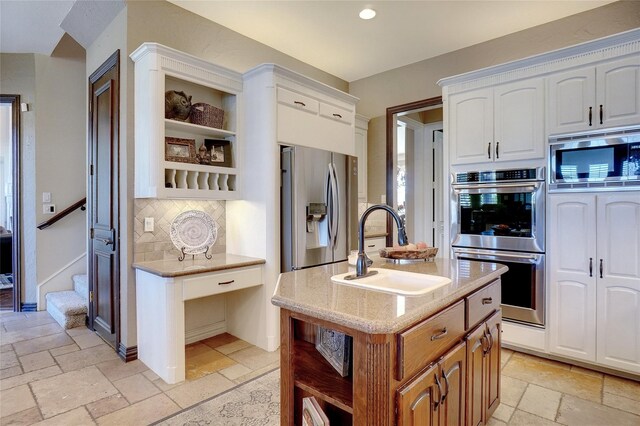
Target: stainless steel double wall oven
[{"x": 498, "y": 216}]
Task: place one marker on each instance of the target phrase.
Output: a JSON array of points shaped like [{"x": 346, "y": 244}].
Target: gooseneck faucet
[{"x": 361, "y": 262}]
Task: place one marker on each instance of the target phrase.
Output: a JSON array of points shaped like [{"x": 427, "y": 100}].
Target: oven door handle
[
  {"x": 490, "y": 188},
  {"x": 497, "y": 255}
]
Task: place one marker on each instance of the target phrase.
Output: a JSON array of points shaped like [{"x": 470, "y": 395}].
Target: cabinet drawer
[
  {"x": 428, "y": 340},
  {"x": 373, "y": 245},
  {"x": 222, "y": 282},
  {"x": 298, "y": 101},
  {"x": 336, "y": 113},
  {"x": 481, "y": 303}
]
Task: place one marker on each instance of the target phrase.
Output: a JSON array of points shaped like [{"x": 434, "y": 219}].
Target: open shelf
[
  {"x": 196, "y": 129},
  {"x": 316, "y": 376}
]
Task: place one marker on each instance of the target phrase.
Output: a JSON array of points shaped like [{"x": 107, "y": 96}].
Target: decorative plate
[{"x": 193, "y": 231}]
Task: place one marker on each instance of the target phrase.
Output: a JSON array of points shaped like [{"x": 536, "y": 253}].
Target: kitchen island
[{"x": 431, "y": 359}]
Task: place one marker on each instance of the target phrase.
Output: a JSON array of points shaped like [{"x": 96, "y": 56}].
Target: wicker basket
[{"x": 206, "y": 115}]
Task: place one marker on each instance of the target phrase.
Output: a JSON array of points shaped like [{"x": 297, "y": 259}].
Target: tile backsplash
[
  {"x": 376, "y": 222},
  {"x": 157, "y": 245}
]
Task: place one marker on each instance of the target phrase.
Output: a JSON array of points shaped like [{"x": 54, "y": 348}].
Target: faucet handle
[{"x": 403, "y": 240}]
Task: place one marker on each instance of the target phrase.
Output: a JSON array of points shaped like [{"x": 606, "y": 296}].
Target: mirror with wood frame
[{"x": 414, "y": 161}]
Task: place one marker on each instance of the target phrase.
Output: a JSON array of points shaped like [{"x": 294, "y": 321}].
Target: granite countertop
[
  {"x": 311, "y": 292},
  {"x": 175, "y": 268}
]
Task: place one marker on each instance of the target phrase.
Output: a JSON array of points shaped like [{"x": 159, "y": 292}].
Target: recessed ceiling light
[{"x": 367, "y": 13}]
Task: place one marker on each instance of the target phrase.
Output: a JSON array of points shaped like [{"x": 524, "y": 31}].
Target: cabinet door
[
  {"x": 618, "y": 92},
  {"x": 361, "y": 153},
  {"x": 471, "y": 118},
  {"x": 619, "y": 287},
  {"x": 572, "y": 275},
  {"x": 492, "y": 389},
  {"x": 477, "y": 344},
  {"x": 519, "y": 120},
  {"x": 453, "y": 367},
  {"x": 571, "y": 94},
  {"x": 419, "y": 401}
]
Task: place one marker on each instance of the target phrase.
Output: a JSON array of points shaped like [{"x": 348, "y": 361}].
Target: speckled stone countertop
[
  {"x": 311, "y": 292},
  {"x": 175, "y": 268}
]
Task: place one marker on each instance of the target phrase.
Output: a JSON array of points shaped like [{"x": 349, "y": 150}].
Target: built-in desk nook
[{"x": 164, "y": 289}]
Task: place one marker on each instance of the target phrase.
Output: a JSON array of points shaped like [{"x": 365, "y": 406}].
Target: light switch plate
[
  {"x": 48, "y": 209},
  {"x": 148, "y": 224},
  {"x": 46, "y": 197}
]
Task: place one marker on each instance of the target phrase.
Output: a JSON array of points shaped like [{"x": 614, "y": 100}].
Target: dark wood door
[
  {"x": 477, "y": 344},
  {"x": 419, "y": 401},
  {"x": 453, "y": 367},
  {"x": 493, "y": 363},
  {"x": 104, "y": 287}
]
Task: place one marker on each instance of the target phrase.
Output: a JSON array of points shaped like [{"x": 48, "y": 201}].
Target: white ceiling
[
  {"x": 326, "y": 34},
  {"x": 329, "y": 34}
]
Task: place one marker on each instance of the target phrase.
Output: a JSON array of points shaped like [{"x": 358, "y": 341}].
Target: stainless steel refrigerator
[{"x": 319, "y": 207}]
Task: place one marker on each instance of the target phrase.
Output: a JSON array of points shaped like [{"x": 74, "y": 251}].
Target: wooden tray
[{"x": 398, "y": 253}]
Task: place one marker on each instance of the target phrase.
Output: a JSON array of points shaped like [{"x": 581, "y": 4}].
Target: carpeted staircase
[{"x": 69, "y": 308}]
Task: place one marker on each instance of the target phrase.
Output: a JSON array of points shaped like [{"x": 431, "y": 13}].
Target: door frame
[
  {"x": 111, "y": 62},
  {"x": 16, "y": 240}
]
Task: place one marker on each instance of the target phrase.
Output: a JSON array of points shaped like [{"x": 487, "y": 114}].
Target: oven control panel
[{"x": 500, "y": 175}]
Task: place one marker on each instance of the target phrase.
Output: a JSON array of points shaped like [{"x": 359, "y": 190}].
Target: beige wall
[
  {"x": 18, "y": 77},
  {"x": 60, "y": 154},
  {"x": 419, "y": 81}
]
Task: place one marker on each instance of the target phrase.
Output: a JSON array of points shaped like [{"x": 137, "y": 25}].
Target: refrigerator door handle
[
  {"x": 330, "y": 203},
  {"x": 335, "y": 204}
]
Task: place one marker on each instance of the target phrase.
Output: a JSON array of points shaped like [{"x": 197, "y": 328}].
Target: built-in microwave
[{"x": 597, "y": 161}]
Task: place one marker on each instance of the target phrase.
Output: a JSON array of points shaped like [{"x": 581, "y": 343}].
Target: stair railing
[{"x": 80, "y": 204}]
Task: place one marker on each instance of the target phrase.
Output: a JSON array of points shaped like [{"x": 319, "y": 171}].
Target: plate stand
[{"x": 193, "y": 256}]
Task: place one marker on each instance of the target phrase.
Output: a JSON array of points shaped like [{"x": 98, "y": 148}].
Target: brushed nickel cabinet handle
[
  {"x": 435, "y": 404},
  {"x": 487, "y": 300},
  {"x": 439, "y": 335},
  {"x": 337, "y": 115},
  {"x": 446, "y": 384},
  {"x": 300, "y": 103},
  {"x": 226, "y": 282}
]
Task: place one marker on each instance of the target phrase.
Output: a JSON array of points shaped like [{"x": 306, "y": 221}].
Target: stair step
[
  {"x": 68, "y": 308},
  {"x": 81, "y": 285}
]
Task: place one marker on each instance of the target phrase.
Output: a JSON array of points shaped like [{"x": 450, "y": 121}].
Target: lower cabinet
[
  {"x": 437, "y": 396},
  {"x": 483, "y": 375}
]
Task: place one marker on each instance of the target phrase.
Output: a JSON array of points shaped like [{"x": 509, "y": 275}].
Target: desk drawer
[
  {"x": 482, "y": 303},
  {"x": 427, "y": 341},
  {"x": 222, "y": 282}
]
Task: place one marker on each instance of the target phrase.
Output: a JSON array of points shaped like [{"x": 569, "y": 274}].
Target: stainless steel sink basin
[{"x": 396, "y": 282}]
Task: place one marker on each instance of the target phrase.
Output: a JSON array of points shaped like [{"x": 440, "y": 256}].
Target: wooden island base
[{"x": 442, "y": 370}]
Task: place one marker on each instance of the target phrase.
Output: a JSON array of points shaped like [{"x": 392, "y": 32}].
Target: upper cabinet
[
  {"x": 193, "y": 156},
  {"x": 500, "y": 123},
  {"x": 362, "y": 130},
  {"x": 593, "y": 97}
]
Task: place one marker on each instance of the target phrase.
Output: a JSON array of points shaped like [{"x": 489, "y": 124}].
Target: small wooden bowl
[{"x": 398, "y": 253}]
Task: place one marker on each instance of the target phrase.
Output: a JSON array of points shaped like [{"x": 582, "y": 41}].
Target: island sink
[{"x": 396, "y": 282}]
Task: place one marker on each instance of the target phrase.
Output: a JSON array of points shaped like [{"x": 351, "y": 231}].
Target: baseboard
[
  {"x": 205, "y": 332},
  {"x": 29, "y": 307},
  {"x": 127, "y": 354}
]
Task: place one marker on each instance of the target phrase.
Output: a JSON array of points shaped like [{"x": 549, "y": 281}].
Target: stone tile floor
[{"x": 52, "y": 377}]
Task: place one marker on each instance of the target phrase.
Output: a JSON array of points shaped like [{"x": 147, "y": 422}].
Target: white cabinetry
[
  {"x": 374, "y": 245},
  {"x": 158, "y": 69},
  {"x": 594, "y": 257},
  {"x": 362, "y": 128},
  {"x": 602, "y": 96},
  {"x": 500, "y": 123}
]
